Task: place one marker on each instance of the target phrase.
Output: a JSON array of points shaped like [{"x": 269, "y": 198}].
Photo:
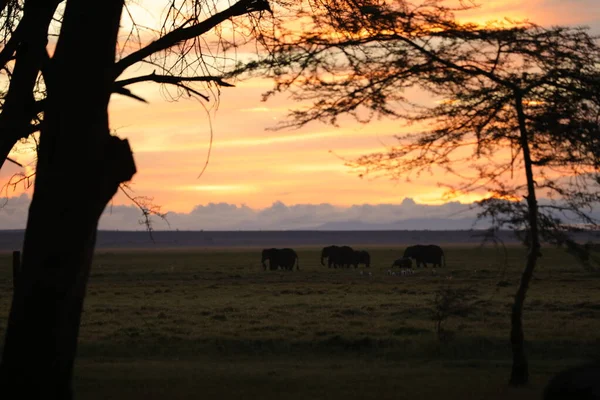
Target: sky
[{"x": 256, "y": 170}]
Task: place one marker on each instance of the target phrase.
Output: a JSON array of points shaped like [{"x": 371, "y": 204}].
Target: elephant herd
[{"x": 346, "y": 256}]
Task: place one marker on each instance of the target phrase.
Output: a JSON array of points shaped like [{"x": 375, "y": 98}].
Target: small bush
[{"x": 449, "y": 302}]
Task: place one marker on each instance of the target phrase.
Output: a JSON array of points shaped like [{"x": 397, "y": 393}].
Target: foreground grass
[{"x": 211, "y": 323}]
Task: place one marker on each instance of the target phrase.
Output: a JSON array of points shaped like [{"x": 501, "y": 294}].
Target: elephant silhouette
[
  {"x": 337, "y": 256},
  {"x": 424, "y": 254},
  {"x": 403, "y": 263},
  {"x": 361, "y": 257},
  {"x": 285, "y": 258}
]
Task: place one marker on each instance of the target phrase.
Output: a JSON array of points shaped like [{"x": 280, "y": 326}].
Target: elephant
[
  {"x": 361, "y": 257},
  {"x": 329, "y": 253},
  {"x": 284, "y": 258},
  {"x": 337, "y": 256},
  {"x": 345, "y": 257},
  {"x": 273, "y": 256},
  {"x": 424, "y": 254},
  {"x": 403, "y": 262}
]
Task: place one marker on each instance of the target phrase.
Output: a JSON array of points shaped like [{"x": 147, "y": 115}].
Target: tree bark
[
  {"x": 520, "y": 368},
  {"x": 78, "y": 172}
]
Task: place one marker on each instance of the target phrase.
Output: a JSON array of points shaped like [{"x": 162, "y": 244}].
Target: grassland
[{"x": 183, "y": 324}]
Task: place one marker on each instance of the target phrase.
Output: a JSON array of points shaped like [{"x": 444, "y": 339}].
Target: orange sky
[{"x": 252, "y": 166}]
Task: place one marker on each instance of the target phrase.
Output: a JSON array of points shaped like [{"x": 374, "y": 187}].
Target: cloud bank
[
  {"x": 223, "y": 216},
  {"x": 408, "y": 215}
]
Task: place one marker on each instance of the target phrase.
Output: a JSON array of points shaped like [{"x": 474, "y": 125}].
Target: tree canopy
[
  {"x": 513, "y": 108},
  {"x": 188, "y": 52}
]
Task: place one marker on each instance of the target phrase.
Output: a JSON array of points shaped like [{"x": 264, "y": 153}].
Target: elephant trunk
[{"x": 323, "y": 258}]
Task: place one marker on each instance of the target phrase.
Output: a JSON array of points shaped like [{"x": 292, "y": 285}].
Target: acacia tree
[
  {"x": 513, "y": 99},
  {"x": 65, "y": 95}
]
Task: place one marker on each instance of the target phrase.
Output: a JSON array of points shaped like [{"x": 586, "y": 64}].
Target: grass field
[{"x": 183, "y": 324}]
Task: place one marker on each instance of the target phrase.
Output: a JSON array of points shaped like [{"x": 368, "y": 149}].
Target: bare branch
[
  {"x": 127, "y": 93},
  {"x": 14, "y": 162},
  {"x": 19, "y": 178},
  {"x": 182, "y": 34},
  {"x": 8, "y": 51},
  {"x": 146, "y": 206},
  {"x": 173, "y": 80}
]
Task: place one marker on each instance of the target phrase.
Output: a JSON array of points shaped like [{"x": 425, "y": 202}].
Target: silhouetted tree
[
  {"x": 505, "y": 99},
  {"x": 65, "y": 95}
]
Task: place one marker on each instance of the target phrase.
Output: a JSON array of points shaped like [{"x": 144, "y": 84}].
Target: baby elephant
[{"x": 403, "y": 262}]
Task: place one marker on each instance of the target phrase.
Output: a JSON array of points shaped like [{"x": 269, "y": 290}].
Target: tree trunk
[
  {"x": 520, "y": 368},
  {"x": 18, "y": 109},
  {"x": 16, "y": 267},
  {"x": 80, "y": 166},
  {"x": 6, "y": 145}
]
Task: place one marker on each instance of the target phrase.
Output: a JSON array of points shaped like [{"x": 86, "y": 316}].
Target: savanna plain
[{"x": 212, "y": 324}]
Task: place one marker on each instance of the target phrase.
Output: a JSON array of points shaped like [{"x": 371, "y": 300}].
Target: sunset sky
[{"x": 255, "y": 167}]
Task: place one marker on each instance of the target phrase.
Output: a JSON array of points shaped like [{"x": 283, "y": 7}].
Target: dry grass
[{"x": 212, "y": 324}]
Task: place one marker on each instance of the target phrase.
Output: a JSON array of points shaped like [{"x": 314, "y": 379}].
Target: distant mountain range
[{"x": 446, "y": 224}]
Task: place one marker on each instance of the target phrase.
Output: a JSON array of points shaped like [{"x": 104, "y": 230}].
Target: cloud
[
  {"x": 13, "y": 211},
  {"x": 218, "y": 188},
  {"x": 278, "y": 216},
  {"x": 408, "y": 215},
  {"x": 256, "y": 109}
]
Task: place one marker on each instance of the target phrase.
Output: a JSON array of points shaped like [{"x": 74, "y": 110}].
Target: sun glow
[
  {"x": 218, "y": 188},
  {"x": 442, "y": 196},
  {"x": 249, "y": 164}
]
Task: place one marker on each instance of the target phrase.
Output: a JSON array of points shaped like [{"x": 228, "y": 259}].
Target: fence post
[{"x": 16, "y": 261}]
